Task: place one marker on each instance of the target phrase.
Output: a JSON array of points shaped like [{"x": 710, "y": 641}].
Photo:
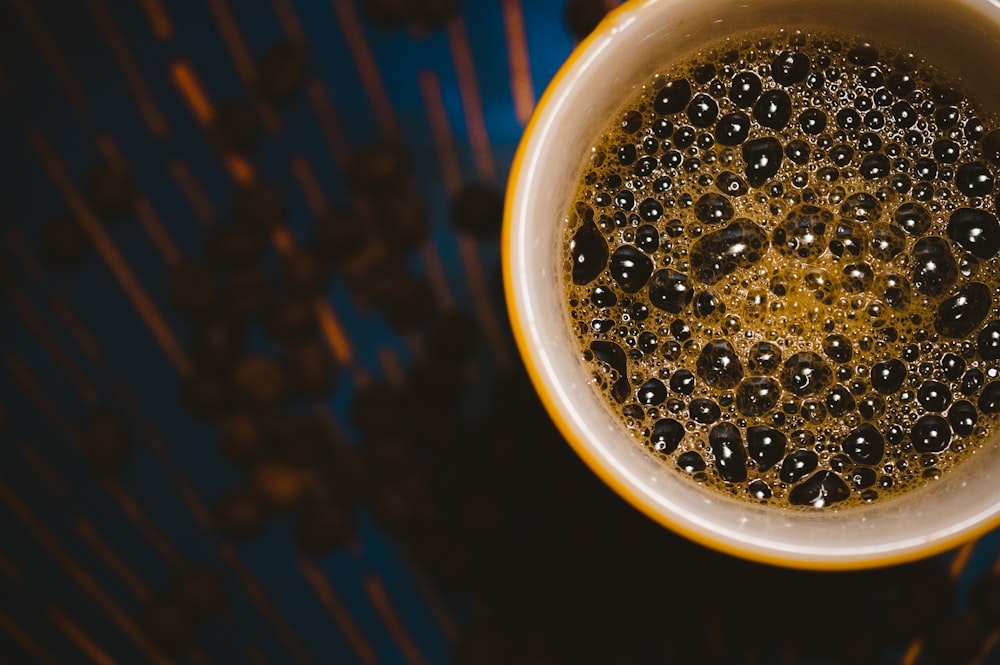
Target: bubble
[
  {"x": 672, "y": 97},
  {"x": 589, "y": 251}
]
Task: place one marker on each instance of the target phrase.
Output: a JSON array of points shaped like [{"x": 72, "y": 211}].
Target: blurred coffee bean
[
  {"x": 953, "y": 641},
  {"x": 397, "y": 504},
  {"x": 166, "y": 625},
  {"x": 410, "y": 304},
  {"x": 375, "y": 409},
  {"x": 247, "y": 293},
  {"x": 324, "y": 528},
  {"x": 582, "y": 16},
  {"x": 480, "y": 645},
  {"x": 260, "y": 382},
  {"x": 242, "y": 438},
  {"x": 338, "y": 234},
  {"x": 477, "y": 209},
  {"x": 217, "y": 341},
  {"x": 454, "y": 338},
  {"x": 291, "y": 320},
  {"x": 347, "y": 474},
  {"x": 259, "y": 205},
  {"x": 389, "y": 453},
  {"x": 63, "y": 244},
  {"x": 389, "y": 13},
  {"x": 300, "y": 439},
  {"x": 111, "y": 192},
  {"x": 303, "y": 273},
  {"x": 282, "y": 71},
  {"x": 192, "y": 289},
  {"x": 205, "y": 395},
  {"x": 201, "y": 592},
  {"x": 311, "y": 369},
  {"x": 235, "y": 126},
  {"x": 434, "y": 14},
  {"x": 403, "y": 221},
  {"x": 280, "y": 488},
  {"x": 105, "y": 440},
  {"x": 984, "y": 601},
  {"x": 234, "y": 246},
  {"x": 379, "y": 169},
  {"x": 373, "y": 276},
  {"x": 239, "y": 515}
]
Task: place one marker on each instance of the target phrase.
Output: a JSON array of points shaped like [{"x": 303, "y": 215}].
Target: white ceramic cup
[{"x": 634, "y": 42}]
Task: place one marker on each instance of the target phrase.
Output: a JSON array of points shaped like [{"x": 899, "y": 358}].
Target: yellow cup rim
[{"x": 601, "y": 32}]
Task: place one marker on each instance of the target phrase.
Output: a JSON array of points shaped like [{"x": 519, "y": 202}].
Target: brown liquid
[{"x": 870, "y": 237}]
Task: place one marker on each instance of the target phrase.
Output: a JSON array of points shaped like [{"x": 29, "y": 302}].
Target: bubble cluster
[{"x": 782, "y": 269}]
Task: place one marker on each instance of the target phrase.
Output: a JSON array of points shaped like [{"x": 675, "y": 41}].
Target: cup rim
[{"x": 794, "y": 559}]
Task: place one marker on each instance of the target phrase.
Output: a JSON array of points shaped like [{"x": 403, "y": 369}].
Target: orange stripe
[
  {"x": 242, "y": 59},
  {"x": 438, "y": 608},
  {"x": 390, "y": 618},
  {"x": 328, "y": 123},
  {"x": 517, "y": 53},
  {"x": 282, "y": 240},
  {"x": 444, "y": 142},
  {"x": 46, "y": 474},
  {"x": 50, "y": 51},
  {"x": 27, "y": 642},
  {"x": 468, "y": 88},
  {"x": 187, "y": 82},
  {"x": 391, "y": 367},
  {"x": 144, "y": 209},
  {"x": 195, "y": 505},
  {"x": 71, "y": 322},
  {"x": 315, "y": 198},
  {"x": 116, "y": 262},
  {"x": 32, "y": 268},
  {"x": 33, "y": 388},
  {"x": 134, "y": 513},
  {"x": 371, "y": 79},
  {"x": 162, "y": 26},
  {"x": 263, "y": 604},
  {"x": 79, "y": 638},
  {"x": 239, "y": 168},
  {"x": 54, "y": 348},
  {"x": 230, "y": 32},
  {"x": 159, "y": 447},
  {"x": 9, "y": 568},
  {"x": 111, "y": 558},
  {"x": 194, "y": 192},
  {"x": 77, "y": 573},
  {"x": 435, "y": 273},
  {"x": 988, "y": 645},
  {"x": 961, "y": 559},
  {"x": 328, "y": 597},
  {"x": 469, "y": 254},
  {"x": 289, "y": 20},
  {"x": 913, "y": 652},
  {"x": 255, "y": 657},
  {"x": 130, "y": 70},
  {"x": 334, "y": 333}
]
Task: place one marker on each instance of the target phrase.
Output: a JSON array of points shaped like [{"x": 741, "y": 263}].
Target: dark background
[{"x": 204, "y": 197}]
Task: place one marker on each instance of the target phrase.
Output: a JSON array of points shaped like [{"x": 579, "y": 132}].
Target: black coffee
[{"x": 782, "y": 269}]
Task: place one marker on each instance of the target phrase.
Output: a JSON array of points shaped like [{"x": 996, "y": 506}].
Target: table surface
[{"x": 477, "y": 536}]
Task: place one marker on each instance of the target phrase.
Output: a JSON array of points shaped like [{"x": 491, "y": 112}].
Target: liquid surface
[{"x": 782, "y": 268}]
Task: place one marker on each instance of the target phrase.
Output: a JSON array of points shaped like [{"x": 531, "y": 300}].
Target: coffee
[{"x": 781, "y": 269}]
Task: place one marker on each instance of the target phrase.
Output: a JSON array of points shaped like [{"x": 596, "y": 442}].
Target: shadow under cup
[{"x": 632, "y": 44}]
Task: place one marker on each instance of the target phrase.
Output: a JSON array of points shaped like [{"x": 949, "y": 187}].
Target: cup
[{"x": 633, "y": 42}]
